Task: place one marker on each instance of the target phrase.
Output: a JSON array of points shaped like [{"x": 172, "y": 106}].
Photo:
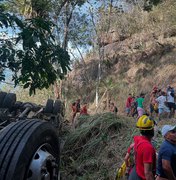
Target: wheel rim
[{"x": 43, "y": 165}]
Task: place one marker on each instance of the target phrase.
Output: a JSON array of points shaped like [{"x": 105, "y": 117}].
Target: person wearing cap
[
  {"x": 145, "y": 154},
  {"x": 166, "y": 169}
]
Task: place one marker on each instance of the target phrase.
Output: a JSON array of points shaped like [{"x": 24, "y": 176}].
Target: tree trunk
[
  {"x": 64, "y": 44},
  {"x": 56, "y": 91}
]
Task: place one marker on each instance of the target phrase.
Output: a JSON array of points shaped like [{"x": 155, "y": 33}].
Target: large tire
[
  {"x": 57, "y": 109},
  {"x": 49, "y": 106},
  {"x": 2, "y": 96},
  {"x": 23, "y": 148},
  {"x": 9, "y": 101},
  {"x": 55, "y": 121}
]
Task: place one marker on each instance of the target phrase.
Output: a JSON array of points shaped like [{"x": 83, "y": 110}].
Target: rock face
[
  {"x": 109, "y": 38},
  {"x": 144, "y": 52}
]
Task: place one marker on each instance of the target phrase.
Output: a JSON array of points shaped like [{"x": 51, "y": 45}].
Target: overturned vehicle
[{"x": 29, "y": 140}]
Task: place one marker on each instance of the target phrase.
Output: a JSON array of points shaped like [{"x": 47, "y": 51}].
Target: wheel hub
[{"x": 43, "y": 166}]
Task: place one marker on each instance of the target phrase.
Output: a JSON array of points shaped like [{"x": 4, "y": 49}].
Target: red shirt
[
  {"x": 128, "y": 102},
  {"x": 84, "y": 110},
  {"x": 144, "y": 153}
]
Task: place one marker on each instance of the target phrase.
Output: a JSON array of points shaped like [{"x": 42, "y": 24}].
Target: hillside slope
[
  {"x": 131, "y": 65},
  {"x": 96, "y": 148}
]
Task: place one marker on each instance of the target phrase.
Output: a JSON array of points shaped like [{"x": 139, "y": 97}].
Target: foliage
[
  {"x": 72, "y": 24},
  {"x": 148, "y": 4},
  {"x": 32, "y": 55},
  {"x": 65, "y": 13},
  {"x": 80, "y": 31},
  {"x": 29, "y": 8}
]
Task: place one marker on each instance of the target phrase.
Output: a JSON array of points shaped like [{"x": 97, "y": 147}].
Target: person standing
[
  {"x": 140, "y": 105},
  {"x": 153, "y": 104},
  {"x": 170, "y": 101},
  {"x": 166, "y": 169},
  {"x": 145, "y": 154},
  {"x": 155, "y": 90},
  {"x": 162, "y": 108},
  {"x": 128, "y": 104}
]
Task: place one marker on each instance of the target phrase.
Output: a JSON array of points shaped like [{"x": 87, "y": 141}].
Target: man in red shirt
[
  {"x": 145, "y": 154},
  {"x": 128, "y": 104}
]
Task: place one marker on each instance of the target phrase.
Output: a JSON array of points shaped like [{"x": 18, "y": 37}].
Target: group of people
[
  {"x": 77, "y": 108},
  {"x": 147, "y": 165},
  {"x": 161, "y": 102},
  {"x": 135, "y": 105}
]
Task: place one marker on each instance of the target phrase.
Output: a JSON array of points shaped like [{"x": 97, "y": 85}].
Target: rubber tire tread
[
  {"x": 15, "y": 140},
  {"x": 9, "y": 101},
  {"x": 2, "y": 96},
  {"x": 9, "y": 140},
  {"x": 49, "y": 106},
  {"x": 57, "y": 109}
]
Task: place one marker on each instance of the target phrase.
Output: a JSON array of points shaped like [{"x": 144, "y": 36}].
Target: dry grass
[{"x": 95, "y": 149}]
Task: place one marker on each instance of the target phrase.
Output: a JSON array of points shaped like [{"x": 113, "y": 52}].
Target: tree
[
  {"x": 64, "y": 14},
  {"x": 59, "y": 11},
  {"x": 33, "y": 56},
  {"x": 101, "y": 26},
  {"x": 30, "y": 8}
]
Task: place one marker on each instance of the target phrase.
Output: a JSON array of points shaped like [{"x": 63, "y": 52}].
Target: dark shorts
[{"x": 171, "y": 105}]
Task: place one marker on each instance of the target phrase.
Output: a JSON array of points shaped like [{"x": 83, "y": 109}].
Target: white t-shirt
[
  {"x": 161, "y": 99},
  {"x": 169, "y": 97}
]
